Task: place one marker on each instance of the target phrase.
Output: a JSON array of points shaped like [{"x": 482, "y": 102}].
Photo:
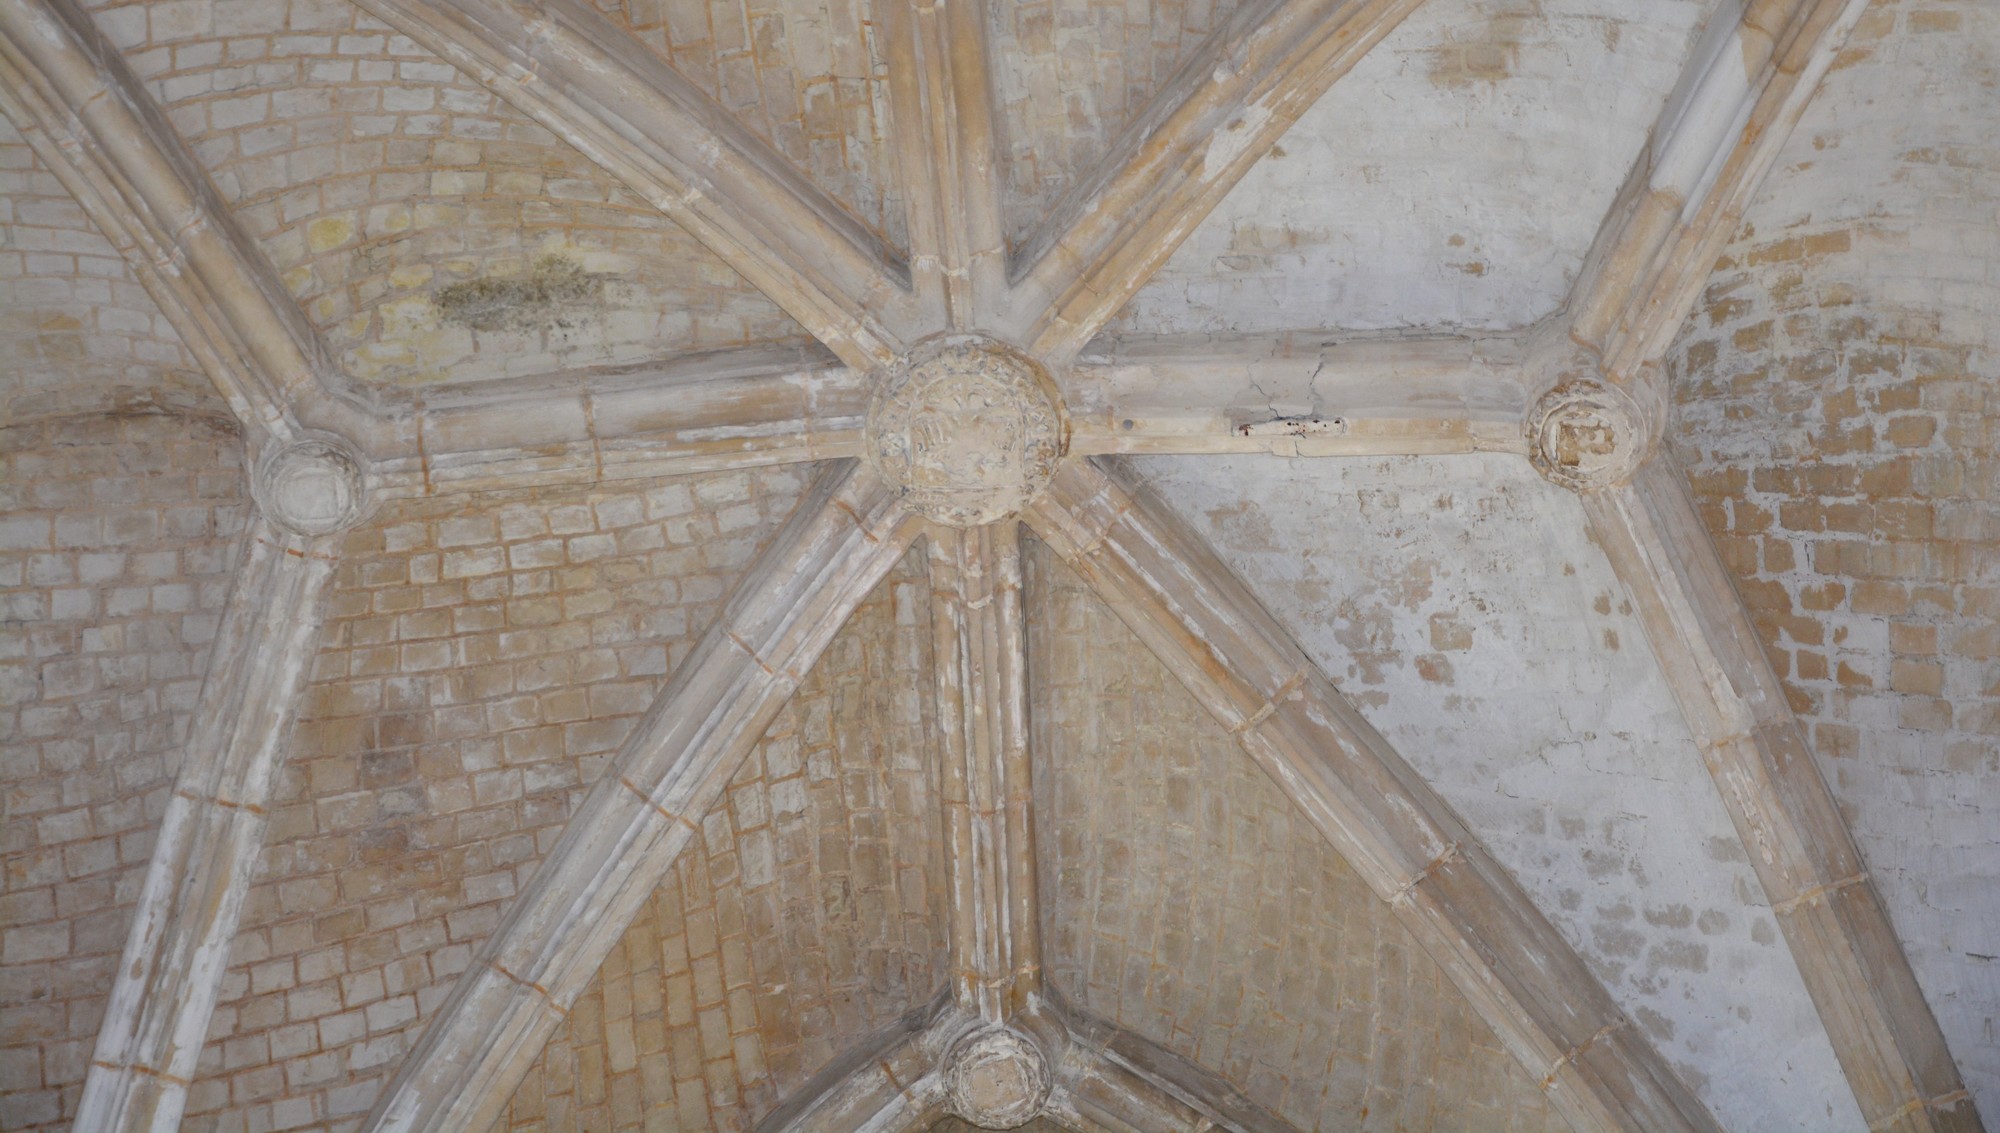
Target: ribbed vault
[{"x": 699, "y": 660}]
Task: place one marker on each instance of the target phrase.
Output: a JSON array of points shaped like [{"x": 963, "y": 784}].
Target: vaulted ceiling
[{"x": 1281, "y": 565}]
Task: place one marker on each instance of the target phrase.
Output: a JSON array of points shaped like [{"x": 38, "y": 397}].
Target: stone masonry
[
  {"x": 1192, "y": 904},
  {"x": 1836, "y": 403},
  {"x": 116, "y": 551},
  {"x": 810, "y": 910},
  {"x": 482, "y": 658}
]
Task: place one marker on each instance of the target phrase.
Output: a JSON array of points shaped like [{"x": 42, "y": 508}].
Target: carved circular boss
[
  {"x": 315, "y": 485},
  {"x": 968, "y": 429},
  {"x": 1585, "y": 435},
  {"x": 996, "y": 1079}
]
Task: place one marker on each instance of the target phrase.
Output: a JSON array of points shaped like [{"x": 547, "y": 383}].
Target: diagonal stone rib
[
  {"x": 1214, "y": 119},
  {"x": 93, "y": 123},
  {"x": 623, "y": 838},
  {"x": 1119, "y": 1082},
  {"x": 177, "y": 952},
  {"x": 981, "y": 661},
  {"x": 1747, "y": 84},
  {"x": 1471, "y": 917},
  {"x": 1854, "y": 966},
  {"x": 941, "y": 100},
  {"x": 84, "y": 113},
  {"x": 570, "y": 68},
  {"x": 888, "y": 1082}
]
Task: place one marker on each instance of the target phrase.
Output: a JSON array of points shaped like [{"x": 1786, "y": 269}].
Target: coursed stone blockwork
[
  {"x": 1069, "y": 74},
  {"x": 1835, "y": 400},
  {"x": 77, "y": 331},
  {"x": 810, "y": 910},
  {"x": 1192, "y": 905},
  {"x": 377, "y": 178},
  {"x": 117, "y": 538},
  {"x": 810, "y": 78},
  {"x": 481, "y": 660}
]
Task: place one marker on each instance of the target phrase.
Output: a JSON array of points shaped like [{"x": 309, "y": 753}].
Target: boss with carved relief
[{"x": 968, "y": 429}]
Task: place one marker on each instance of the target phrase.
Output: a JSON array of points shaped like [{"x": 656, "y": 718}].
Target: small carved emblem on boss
[{"x": 968, "y": 429}]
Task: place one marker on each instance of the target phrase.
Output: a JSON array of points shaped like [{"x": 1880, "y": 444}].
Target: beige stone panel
[
  {"x": 118, "y": 538},
  {"x": 376, "y": 178},
  {"x": 1835, "y": 392},
  {"x": 77, "y": 331},
  {"x": 482, "y": 659},
  {"x": 808, "y": 76},
  {"x": 1069, "y": 76},
  {"x": 809, "y": 912},
  {"x": 1193, "y": 905}
]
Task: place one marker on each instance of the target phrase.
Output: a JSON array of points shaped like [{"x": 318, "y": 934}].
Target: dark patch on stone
[
  {"x": 1682, "y": 954},
  {"x": 553, "y": 294},
  {"x": 1614, "y": 940},
  {"x": 1672, "y": 916},
  {"x": 1656, "y": 1024}
]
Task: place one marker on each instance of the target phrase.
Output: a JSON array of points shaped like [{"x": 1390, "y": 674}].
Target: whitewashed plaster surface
[
  {"x": 1899, "y": 148},
  {"x": 1461, "y": 604},
  {"x": 1455, "y": 177},
  {"x": 1897, "y": 153}
]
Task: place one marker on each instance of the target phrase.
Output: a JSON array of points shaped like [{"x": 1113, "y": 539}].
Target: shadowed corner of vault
[
  {"x": 807, "y": 916},
  {"x": 1186, "y": 899}
]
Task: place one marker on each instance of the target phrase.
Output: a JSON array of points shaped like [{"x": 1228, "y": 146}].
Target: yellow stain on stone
[
  {"x": 431, "y": 215},
  {"x": 298, "y": 281},
  {"x": 329, "y": 232},
  {"x": 389, "y": 219},
  {"x": 412, "y": 275},
  {"x": 408, "y": 315},
  {"x": 517, "y": 183}
]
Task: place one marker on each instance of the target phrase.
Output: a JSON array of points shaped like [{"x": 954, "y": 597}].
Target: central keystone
[
  {"x": 968, "y": 429},
  {"x": 996, "y": 1079}
]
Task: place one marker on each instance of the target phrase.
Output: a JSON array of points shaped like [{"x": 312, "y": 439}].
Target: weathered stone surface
[
  {"x": 117, "y": 544},
  {"x": 1190, "y": 902},
  {"x": 996, "y": 1079},
  {"x": 314, "y": 485},
  {"x": 1585, "y": 434},
  {"x": 1834, "y": 405},
  {"x": 77, "y": 331},
  {"x": 968, "y": 429},
  {"x": 1440, "y": 184},
  {"x": 1476, "y": 624},
  {"x": 1038, "y": 1125},
  {"x": 480, "y": 661},
  {"x": 379, "y": 211},
  {"x": 435, "y": 183},
  {"x": 810, "y": 910}
]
